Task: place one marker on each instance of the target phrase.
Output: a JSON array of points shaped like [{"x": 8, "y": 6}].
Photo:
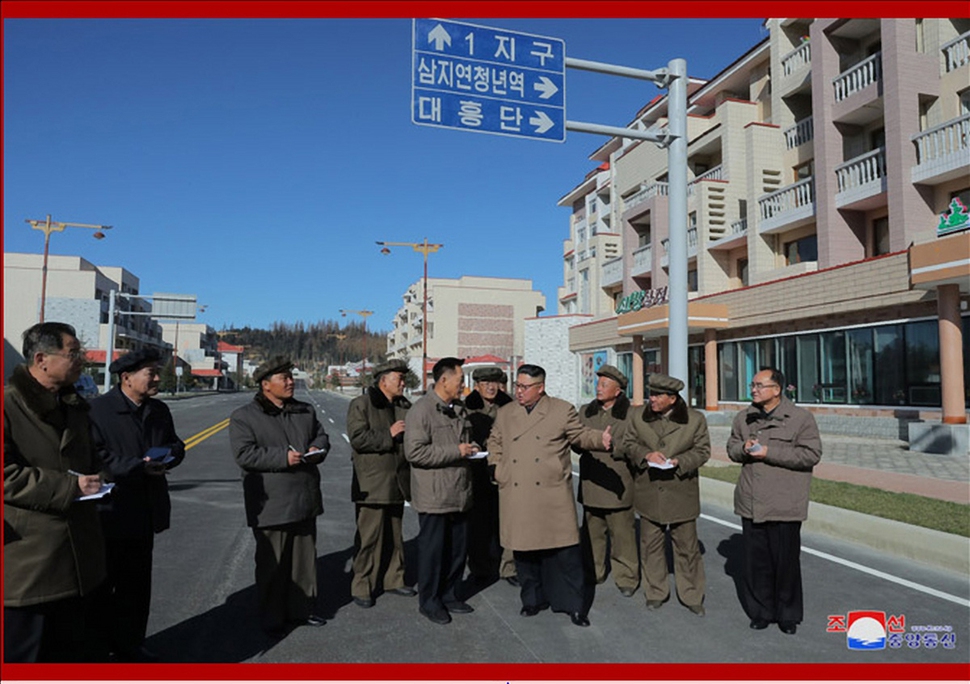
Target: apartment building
[
  {"x": 469, "y": 317},
  {"x": 77, "y": 294},
  {"x": 828, "y": 180},
  {"x": 197, "y": 348}
]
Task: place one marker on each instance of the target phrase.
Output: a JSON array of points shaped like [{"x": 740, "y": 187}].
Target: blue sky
[{"x": 256, "y": 162}]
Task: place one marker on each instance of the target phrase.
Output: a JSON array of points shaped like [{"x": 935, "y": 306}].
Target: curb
[{"x": 945, "y": 551}]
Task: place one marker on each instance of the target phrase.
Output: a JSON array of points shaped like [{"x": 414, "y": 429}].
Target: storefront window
[
  {"x": 748, "y": 358},
  {"x": 859, "y": 344},
  {"x": 809, "y": 388},
  {"x": 833, "y": 377},
  {"x": 728, "y": 372},
  {"x": 889, "y": 381},
  {"x": 923, "y": 363},
  {"x": 697, "y": 377},
  {"x": 624, "y": 362}
]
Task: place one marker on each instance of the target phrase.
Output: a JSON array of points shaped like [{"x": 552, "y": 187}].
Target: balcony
[
  {"x": 642, "y": 261},
  {"x": 717, "y": 173},
  {"x": 861, "y": 180},
  {"x": 612, "y": 273},
  {"x": 859, "y": 77},
  {"x": 691, "y": 247},
  {"x": 658, "y": 189},
  {"x": 956, "y": 53},
  {"x": 802, "y": 132},
  {"x": 788, "y": 207},
  {"x": 736, "y": 236},
  {"x": 796, "y": 69},
  {"x": 943, "y": 152}
]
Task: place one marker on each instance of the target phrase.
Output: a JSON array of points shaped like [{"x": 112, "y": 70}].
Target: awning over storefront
[
  {"x": 944, "y": 261},
  {"x": 654, "y": 321}
]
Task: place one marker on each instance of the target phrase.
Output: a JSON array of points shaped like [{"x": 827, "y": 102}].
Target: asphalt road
[{"x": 203, "y": 606}]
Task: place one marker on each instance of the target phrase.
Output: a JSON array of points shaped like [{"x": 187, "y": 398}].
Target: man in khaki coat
[
  {"x": 437, "y": 445},
  {"x": 381, "y": 484},
  {"x": 666, "y": 443},
  {"x": 530, "y": 449},
  {"x": 777, "y": 445},
  {"x": 606, "y": 488}
]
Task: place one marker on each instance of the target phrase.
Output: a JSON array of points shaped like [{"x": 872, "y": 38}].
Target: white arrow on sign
[
  {"x": 541, "y": 121},
  {"x": 546, "y": 87},
  {"x": 439, "y": 36}
]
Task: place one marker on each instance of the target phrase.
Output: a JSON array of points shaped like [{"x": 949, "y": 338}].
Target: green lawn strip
[{"x": 923, "y": 511}]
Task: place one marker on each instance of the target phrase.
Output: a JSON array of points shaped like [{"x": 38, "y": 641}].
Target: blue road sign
[{"x": 488, "y": 80}]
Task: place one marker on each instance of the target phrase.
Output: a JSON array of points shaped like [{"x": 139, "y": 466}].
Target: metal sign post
[{"x": 462, "y": 78}]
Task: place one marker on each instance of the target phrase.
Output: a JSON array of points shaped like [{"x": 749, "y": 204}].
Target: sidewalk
[{"x": 880, "y": 463}]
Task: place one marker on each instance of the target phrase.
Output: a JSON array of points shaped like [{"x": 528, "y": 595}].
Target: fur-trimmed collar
[
  {"x": 379, "y": 400},
  {"x": 271, "y": 409},
  {"x": 619, "y": 409},
  {"x": 475, "y": 401},
  {"x": 678, "y": 414},
  {"x": 39, "y": 399}
]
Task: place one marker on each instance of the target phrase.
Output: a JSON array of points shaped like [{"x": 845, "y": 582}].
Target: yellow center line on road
[{"x": 196, "y": 439}]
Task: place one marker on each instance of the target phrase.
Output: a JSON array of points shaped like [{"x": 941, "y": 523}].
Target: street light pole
[
  {"x": 425, "y": 248},
  {"x": 363, "y": 314},
  {"x": 49, "y": 227}
]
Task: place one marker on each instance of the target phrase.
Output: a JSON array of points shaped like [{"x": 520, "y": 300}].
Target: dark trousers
[
  {"x": 379, "y": 544},
  {"x": 125, "y": 597},
  {"x": 553, "y": 576},
  {"x": 442, "y": 548},
  {"x": 286, "y": 572},
  {"x": 53, "y": 632},
  {"x": 772, "y": 588},
  {"x": 484, "y": 549}
]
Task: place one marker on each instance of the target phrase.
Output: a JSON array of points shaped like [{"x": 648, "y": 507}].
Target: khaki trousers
[
  {"x": 286, "y": 572},
  {"x": 688, "y": 563},
  {"x": 379, "y": 560},
  {"x": 616, "y": 529}
]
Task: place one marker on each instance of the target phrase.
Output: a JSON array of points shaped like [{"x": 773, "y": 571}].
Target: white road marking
[
  {"x": 862, "y": 568},
  {"x": 346, "y": 438},
  {"x": 330, "y": 419}
]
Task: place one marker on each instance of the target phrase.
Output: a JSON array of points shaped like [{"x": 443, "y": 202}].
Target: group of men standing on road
[
  {"x": 78, "y": 567},
  {"x": 490, "y": 479}
]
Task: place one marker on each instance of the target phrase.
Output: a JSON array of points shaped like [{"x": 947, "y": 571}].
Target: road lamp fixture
[
  {"x": 363, "y": 314},
  {"x": 49, "y": 227},
  {"x": 425, "y": 248}
]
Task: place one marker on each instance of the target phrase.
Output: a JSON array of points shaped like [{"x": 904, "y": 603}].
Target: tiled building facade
[{"x": 822, "y": 165}]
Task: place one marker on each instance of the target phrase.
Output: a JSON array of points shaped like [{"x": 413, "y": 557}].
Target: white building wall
[{"x": 547, "y": 345}]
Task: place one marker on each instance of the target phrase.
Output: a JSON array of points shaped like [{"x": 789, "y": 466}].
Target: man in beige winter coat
[
  {"x": 530, "y": 449},
  {"x": 777, "y": 445},
  {"x": 666, "y": 443},
  {"x": 437, "y": 446}
]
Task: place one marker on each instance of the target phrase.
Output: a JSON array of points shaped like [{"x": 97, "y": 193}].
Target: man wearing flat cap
[
  {"x": 666, "y": 443},
  {"x": 135, "y": 437},
  {"x": 486, "y": 558},
  {"x": 606, "y": 489},
  {"x": 279, "y": 443},
  {"x": 381, "y": 484}
]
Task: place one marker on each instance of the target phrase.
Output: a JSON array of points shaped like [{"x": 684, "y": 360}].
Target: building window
[
  {"x": 581, "y": 235},
  {"x": 880, "y": 236},
  {"x": 728, "y": 375},
  {"x": 692, "y": 280},
  {"x": 697, "y": 377},
  {"x": 801, "y": 250},
  {"x": 965, "y": 102},
  {"x": 806, "y": 170},
  {"x": 859, "y": 349},
  {"x": 923, "y": 363},
  {"x": 743, "y": 272}
]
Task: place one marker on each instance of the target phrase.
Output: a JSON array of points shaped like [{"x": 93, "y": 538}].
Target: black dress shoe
[
  {"x": 788, "y": 627},
  {"x": 514, "y": 581},
  {"x": 314, "y": 621},
  {"x": 579, "y": 619},
  {"x": 459, "y": 607},
  {"x": 403, "y": 591},
  {"x": 364, "y": 602},
  {"x": 438, "y": 616},
  {"x": 759, "y": 624},
  {"x": 532, "y": 611}
]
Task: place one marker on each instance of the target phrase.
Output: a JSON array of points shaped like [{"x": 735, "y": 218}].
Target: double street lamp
[
  {"x": 49, "y": 227},
  {"x": 425, "y": 248},
  {"x": 363, "y": 314}
]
